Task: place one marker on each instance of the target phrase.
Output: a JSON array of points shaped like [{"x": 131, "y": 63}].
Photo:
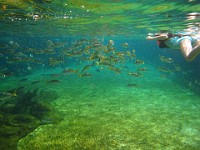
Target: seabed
[{"x": 102, "y": 112}]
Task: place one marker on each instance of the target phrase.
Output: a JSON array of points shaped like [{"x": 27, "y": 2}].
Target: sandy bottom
[{"x": 116, "y": 111}]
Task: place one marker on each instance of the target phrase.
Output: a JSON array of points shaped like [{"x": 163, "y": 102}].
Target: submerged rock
[{"x": 25, "y": 113}]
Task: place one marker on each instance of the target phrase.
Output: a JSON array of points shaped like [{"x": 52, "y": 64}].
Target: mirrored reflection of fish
[
  {"x": 92, "y": 53},
  {"x": 24, "y": 79},
  {"x": 109, "y": 48},
  {"x": 49, "y": 43},
  {"x": 86, "y": 74},
  {"x": 125, "y": 67},
  {"x": 163, "y": 76},
  {"x": 163, "y": 69},
  {"x": 14, "y": 44},
  {"x": 80, "y": 42},
  {"x": 135, "y": 74},
  {"x": 68, "y": 71},
  {"x": 125, "y": 45},
  {"x": 167, "y": 60},
  {"x": 3, "y": 46},
  {"x": 131, "y": 85},
  {"x": 142, "y": 69},
  {"x": 6, "y": 73},
  {"x": 53, "y": 81},
  {"x": 7, "y": 95},
  {"x": 138, "y": 62},
  {"x": 49, "y": 51},
  {"x": 55, "y": 61},
  {"x": 49, "y": 120},
  {"x": 87, "y": 67},
  {"x": 97, "y": 70},
  {"x": 131, "y": 55},
  {"x": 177, "y": 68},
  {"x": 1, "y": 55},
  {"x": 35, "y": 82},
  {"x": 55, "y": 75},
  {"x": 115, "y": 69}
]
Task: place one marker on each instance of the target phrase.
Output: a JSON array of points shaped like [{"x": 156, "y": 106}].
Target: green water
[
  {"x": 158, "y": 110},
  {"x": 102, "y": 112}
]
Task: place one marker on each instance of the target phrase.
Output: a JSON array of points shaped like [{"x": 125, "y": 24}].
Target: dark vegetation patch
[{"x": 22, "y": 114}]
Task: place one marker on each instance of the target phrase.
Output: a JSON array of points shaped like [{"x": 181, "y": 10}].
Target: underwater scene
[{"x": 81, "y": 75}]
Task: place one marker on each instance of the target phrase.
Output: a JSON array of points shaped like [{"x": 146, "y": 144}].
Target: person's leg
[{"x": 188, "y": 52}]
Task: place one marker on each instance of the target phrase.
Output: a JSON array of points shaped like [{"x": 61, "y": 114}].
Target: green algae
[
  {"x": 22, "y": 114},
  {"x": 104, "y": 8},
  {"x": 161, "y": 8},
  {"x": 109, "y": 115},
  {"x": 77, "y": 17}
]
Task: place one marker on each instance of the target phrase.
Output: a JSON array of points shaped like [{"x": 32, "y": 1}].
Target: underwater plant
[{"x": 22, "y": 114}]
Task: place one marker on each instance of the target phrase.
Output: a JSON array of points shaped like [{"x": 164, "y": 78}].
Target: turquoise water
[
  {"x": 80, "y": 75},
  {"x": 102, "y": 112}
]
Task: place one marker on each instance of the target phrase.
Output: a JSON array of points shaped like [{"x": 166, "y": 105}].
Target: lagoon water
[{"x": 78, "y": 75}]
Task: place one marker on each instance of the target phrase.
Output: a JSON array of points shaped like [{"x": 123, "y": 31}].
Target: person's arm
[
  {"x": 159, "y": 37},
  {"x": 188, "y": 52}
]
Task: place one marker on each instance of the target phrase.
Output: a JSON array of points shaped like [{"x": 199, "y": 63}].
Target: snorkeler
[{"x": 189, "y": 44}]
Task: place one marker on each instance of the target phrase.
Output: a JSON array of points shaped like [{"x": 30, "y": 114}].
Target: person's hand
[{"x": 149, "y": 37}]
